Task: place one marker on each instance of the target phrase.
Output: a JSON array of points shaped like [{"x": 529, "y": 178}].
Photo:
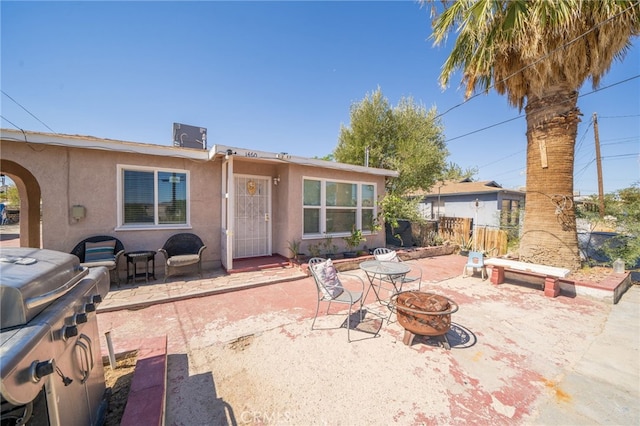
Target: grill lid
[{"x": 30, "y": 279}]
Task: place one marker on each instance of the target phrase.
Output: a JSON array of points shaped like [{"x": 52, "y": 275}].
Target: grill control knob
[
  {"x": 39, "y": 369},
  {"x": 96, "y": 298},
  {"x": 90, "y": 307},
  {"x": 80, "y": 318},
  {"x": 69, "y": 331}
]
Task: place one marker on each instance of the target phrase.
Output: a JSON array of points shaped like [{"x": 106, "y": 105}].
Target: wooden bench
[{"x": 550, "y": 274}]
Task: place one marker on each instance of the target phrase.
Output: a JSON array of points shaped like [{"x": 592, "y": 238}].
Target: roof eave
[
  {"x": 284, "y": 157},
  {"x": 91, "y": 142}
]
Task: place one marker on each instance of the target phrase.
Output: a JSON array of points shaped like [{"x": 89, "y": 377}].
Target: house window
[
  {"x": 367, "y": 213},
  {"x": 510, "y": 213},
  {"x": 153, "y": 197},
  {"x": 334, "y": 208}
]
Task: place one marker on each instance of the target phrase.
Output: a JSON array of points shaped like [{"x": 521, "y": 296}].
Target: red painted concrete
[
  {"x": 497, "y": 275},
  {"x": 147, "y": 395},
  {"x": 207, "y": 317},
  {"x": 551, "y": 287}
]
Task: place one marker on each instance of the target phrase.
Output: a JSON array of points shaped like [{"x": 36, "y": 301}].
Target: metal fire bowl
[{"x": 425, "y": 314}]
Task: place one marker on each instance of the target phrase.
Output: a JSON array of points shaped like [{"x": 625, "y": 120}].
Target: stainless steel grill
[{"x": 51, "y": 370}]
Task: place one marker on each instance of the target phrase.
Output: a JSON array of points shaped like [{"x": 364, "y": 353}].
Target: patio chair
[
  {"x": 330, "y": 289},
  {"x": 388, "y": 255},
  {"x": 100, "y": 250},
  {"x": 475, "y": 261},
  {"x": 182, "y": 250}
]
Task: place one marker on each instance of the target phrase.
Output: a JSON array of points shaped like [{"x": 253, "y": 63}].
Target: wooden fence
[
  {"x": 459, "y": 230},
  {"x": 455, "y": 229},
  {"x": 491, "y": 241}
]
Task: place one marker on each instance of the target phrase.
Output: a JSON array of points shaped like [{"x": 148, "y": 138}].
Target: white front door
[{"x": 252, "y": 216}]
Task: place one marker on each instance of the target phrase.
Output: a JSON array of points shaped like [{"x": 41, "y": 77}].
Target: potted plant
[
  {"x": 353, "y": 241},
  {"x": 466, "y": 244}
]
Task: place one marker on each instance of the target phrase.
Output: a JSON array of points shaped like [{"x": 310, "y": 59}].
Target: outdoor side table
[{"x": 143, "y": 256}]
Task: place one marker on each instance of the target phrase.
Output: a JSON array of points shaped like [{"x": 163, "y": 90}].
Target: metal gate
[{"x": 252, "y": 216}]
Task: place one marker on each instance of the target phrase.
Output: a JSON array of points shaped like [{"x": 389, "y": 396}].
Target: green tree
[
  {"x": 628, "y": 220},
  {"x": 328, "y": 157},
  {"x": 454, "y": 172},
  {"x": 406, "y": 138},
  {"x": 539, "y": 52},
  {"x": 622, "y": 209},
  {"x": 12, "y": 196}
]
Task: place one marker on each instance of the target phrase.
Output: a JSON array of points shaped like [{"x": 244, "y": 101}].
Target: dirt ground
[
  {"x": 119, "y": 381},
  {"x": 591, "y": 274}
]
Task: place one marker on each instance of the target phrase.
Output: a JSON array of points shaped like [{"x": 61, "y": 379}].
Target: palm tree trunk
[{"x": 549, "y": 232}]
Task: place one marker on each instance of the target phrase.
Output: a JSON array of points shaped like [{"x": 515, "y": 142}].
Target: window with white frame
[
  {"x": 334, "y": 207},
  {"x": 153, "y": 197}
]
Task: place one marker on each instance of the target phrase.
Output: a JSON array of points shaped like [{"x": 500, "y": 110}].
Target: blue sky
[{"x": 275, "y": 76}]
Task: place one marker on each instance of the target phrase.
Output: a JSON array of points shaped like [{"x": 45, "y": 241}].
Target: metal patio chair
[
  {"x": 330, "y": 289},
  {"x": 388, "y": 255}
]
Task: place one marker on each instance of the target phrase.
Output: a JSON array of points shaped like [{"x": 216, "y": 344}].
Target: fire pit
[{"x": 424, "y": 314}]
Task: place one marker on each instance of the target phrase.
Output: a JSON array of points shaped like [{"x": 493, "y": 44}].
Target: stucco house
[
  {"x": 487, "y": 201},
  {"x": 241, "y": 202}
]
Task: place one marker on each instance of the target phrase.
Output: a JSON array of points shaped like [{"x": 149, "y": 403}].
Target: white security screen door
[{"x": 252, "y": 216}]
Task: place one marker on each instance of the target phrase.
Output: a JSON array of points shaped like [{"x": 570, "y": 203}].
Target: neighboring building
[
  {"x": 485, "y": 201},
  {"x": 241, "y": 202}
]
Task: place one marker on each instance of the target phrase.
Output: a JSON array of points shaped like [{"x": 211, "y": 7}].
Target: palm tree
[{"x": 541, "y": 52}]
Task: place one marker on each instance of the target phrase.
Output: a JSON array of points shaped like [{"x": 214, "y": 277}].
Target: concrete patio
[{"x": 240, "y": 351}]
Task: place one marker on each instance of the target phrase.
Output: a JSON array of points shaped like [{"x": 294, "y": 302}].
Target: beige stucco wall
[
  {"x": 70, "y": 176},
  {"x": 87, "y": 177},
  {"x": 293, "y": 191}
]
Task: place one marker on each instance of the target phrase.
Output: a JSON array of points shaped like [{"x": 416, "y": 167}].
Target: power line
[
  {"x": 609, "y": 157},
  {"x": 522, "y": 115},
  {"x": 17, "y": 127},
  {"x": 9, "y": 121},
  {"x": 579, "y": 144},
  {"x": 620, "y": 116},
  {"x": 508, "y": 171},
  {"x": 630, "y": 140},
  {"x": 580, "y": 172},
  {"x": 503, "y": 158},
  {"x": 610, "y": 86},
  {"x": 28, "y": 112},
  {"x": 484, "y": 128},
  {"x": 583, "y": 170}
]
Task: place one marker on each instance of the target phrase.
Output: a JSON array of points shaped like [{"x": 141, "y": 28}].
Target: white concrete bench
[{"x": 550, "y": 274}]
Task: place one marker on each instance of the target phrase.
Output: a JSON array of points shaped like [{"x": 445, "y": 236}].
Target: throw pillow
[
  {"x": 99, "y": 252},
  {"x": 327, "y": 276}
]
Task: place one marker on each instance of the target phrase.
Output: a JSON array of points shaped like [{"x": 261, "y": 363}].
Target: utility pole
[{"x": 599, "y": 165}]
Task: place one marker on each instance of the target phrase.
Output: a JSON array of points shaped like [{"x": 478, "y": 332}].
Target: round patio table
[{"x": 390, "y": 272}]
